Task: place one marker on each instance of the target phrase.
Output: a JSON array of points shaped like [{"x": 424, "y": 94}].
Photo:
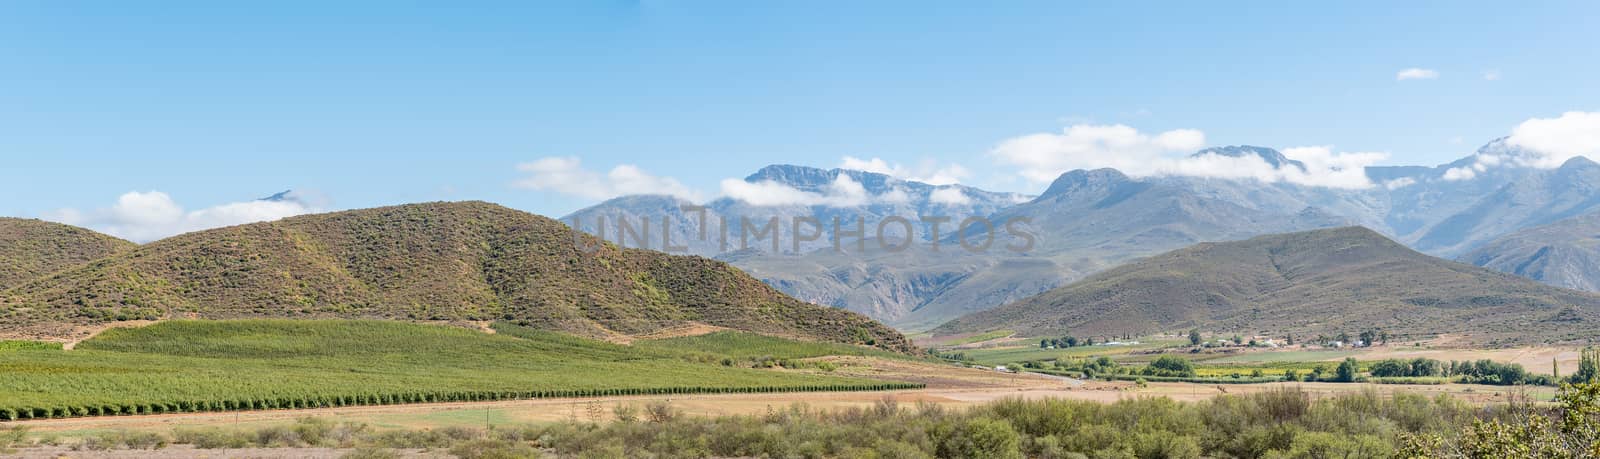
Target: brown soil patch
[
  {"x": 84, "y": 332},
  {"x": 942, "y": 340},
  {"x": 680, "y": 331}
]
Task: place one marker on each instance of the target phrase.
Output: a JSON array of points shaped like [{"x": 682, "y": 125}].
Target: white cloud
[
  {"x": 928, "y": 171},
  {"x": 1553, "y": 141},
  {"x": 949, "y": 195},
  {"x": 1491, "y": 75},
  {"x": 1460, "y": 173},
  {"x": 846, "y": 192},
  {"x": 1399, "y": 183},
  {"x": 874, "y": 165},
  {"x": 1416, "y": 74},
  {"x": 150, "y": 215},
  {"x": 1543, "y": 143},
  {"x": 1043, "y": 157},
  {"x": 842, "y": 192},
  {"x": 895, "y": 195},
  {"x": 566, "y": 175}
]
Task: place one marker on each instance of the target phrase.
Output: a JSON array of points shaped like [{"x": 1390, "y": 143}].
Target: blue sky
[{"x": 370, "y": 103}]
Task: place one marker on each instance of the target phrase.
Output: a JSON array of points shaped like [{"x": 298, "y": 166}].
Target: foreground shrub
[
  {"x": 493, "y": 449},
  {"x": 1284, "y": 423}
]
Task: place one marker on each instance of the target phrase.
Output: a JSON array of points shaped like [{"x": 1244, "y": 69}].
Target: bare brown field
[{"x": 1536, "y": 359}]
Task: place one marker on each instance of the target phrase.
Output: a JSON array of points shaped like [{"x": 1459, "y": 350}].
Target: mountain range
[
  {"x": 1087, "y": 221},
  {"x": 1565, "y": 253},
  {"x": 466, "y": 261},
  {"x": 1342, "y": 279}
]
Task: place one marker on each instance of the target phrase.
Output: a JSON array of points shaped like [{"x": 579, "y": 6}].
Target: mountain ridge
[
  {"x": 431, "y": 261},
  {"x": 31, "y": 248},
  {"x": 1326, "y": 281},
  {"x": 1091, "y": 220},
  {"x": 1564, "y": 253}
]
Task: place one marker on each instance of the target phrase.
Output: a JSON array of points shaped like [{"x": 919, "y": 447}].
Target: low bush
[{"x": 1279, "y": 423}]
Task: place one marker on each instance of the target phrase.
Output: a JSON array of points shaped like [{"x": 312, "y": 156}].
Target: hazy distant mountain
[
  {"x": 1324, "y": 281},
  {"x": 828, "y": 194},
  {"x": 1089, "y": 220},
  {"x": 1565, "y": 253},
  {"x": 1531, "y": 200},
  {"x": 1272, "y": 157}
]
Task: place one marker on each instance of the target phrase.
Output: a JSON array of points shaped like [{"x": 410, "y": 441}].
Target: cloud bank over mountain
[
  {"x": 1556, "y": 140},
  {"x": 1039, "y": 158},
  {"x": 927, "y": 171},
  {"x": 1042, "y": 157}
]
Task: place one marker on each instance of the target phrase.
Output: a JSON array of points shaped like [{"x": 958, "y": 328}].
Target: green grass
[
  {"x": 254, "y": 364},
  {"x": 1274, "y": 368},
  {"x": 1005, "y": 355},
  {"x": 8, "y": 345},
  {"x": 1285, "y": 356},
  {"x": 978, "y": 338},
  {"x": 743, "y": 346}
]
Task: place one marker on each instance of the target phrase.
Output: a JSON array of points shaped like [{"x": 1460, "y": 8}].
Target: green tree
[
  {"x": 1194, "y": 337},
  {"x": 1575, "y": 432},
  {"x": 1369, "y": 338},
  {"x": 1169, "y": 365},
  {"x": 1588, "y": 367},
  {"x": 1346, "y": 371},
  {"x": 1390, "y": 368}
]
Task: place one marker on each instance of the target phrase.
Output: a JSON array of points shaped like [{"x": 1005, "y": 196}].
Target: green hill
[
  {"x": 468, "y": 261},
  {"x": 32, "y": 248},
  {"x": 1315, "y": 282}
]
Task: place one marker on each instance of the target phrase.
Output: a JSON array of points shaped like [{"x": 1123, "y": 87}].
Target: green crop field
[
  {"x": 981, "y": 337},
  {"x": 1005, "y": 355},
  {"x": 267, "y": 364},
  {"x": 1285, "y": 356},
  {"x": 743, "y": 345}
]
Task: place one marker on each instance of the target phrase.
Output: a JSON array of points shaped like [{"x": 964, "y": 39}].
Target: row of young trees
[
  {"x": 1073, "y": 341},
  {"x": 324, "y": 401},
  {"x": 1368, "y": 338},
  {"x": 1476, "y": 372},
  {"x": 1070, "y": 341}
]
